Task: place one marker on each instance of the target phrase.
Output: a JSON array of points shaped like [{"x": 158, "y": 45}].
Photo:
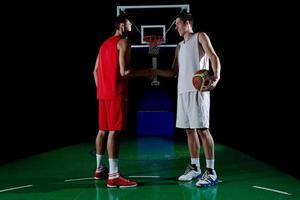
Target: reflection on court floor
[{"x": 154, "y": 162}]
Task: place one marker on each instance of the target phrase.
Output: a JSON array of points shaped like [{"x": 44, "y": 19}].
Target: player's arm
[
  {"x": 124, "y": 59},
  {"x": 95, "y": 72},
  {"x": 123, "y": 47},
  {"x": 209, "y": 50},
  {"x": 174, "y": 69},
  {"x": 146, "y": 72}
]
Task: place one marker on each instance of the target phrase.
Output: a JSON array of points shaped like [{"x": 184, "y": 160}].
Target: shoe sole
[
  {"x": 185, "y": 180},
  {"x": 197, "y": 177},
  {"x": 208, "y": 185},
  {"x": 120, "y": 186}
]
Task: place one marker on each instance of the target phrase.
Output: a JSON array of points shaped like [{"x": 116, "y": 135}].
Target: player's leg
[
  {"x": 209, "y": 178},
  {"x": 182, "y": 121},
  {"x": 101, "y": 171},
  {"x": 117, "y": 123},
  {"x": 193, "y": 169}
]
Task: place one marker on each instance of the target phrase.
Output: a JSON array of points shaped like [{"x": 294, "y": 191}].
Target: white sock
[
  {"x": 113, "y": 168},
  {"x": 210, "y": 164},
  {"x": 98, "y": 158},
  {"x": 196, "y": 161}
]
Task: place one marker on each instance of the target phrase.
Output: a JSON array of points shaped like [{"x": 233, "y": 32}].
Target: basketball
[{"x": 201, "y": 79}]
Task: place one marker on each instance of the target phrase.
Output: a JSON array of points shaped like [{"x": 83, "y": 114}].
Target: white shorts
[{"x": 193, "y": 110}]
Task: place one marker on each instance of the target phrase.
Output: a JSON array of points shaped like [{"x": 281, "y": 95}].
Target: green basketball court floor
[{"x": 156, "y": 163}]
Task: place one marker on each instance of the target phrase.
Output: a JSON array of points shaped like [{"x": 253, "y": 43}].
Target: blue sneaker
[{"x": 208, "y": 180}]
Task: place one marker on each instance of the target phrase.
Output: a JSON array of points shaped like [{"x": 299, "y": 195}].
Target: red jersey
[{"x": 111, "y": 84}]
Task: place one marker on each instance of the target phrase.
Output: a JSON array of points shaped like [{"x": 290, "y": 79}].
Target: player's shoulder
[
  {"x": 123, "y": 40},
  {"x": 202, "y": 34},
  {"x": 202, "y": 37}
]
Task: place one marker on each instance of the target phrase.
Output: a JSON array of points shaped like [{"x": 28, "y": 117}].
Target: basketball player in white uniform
[{"x": 193, "y": 53}]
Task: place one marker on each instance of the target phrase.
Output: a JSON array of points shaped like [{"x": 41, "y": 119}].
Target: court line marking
[
  {"x": 144, "y": 176},
  {"x": 15, "y": 188},
  {"x": 272, "y": 190},
  {"x": 79, "y": 179}
]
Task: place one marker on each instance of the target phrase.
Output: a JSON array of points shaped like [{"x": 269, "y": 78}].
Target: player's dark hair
[
  {"x": 120, "y": 19},
  {"x": 186, "y": 16}
]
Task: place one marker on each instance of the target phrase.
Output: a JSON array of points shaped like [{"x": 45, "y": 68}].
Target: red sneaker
[
  {"x": 101, "y": 172},
  {"x": 120, "y": 182}
]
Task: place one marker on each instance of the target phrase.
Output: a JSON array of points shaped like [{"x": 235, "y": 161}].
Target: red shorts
[{"x": 112, "y": 114}]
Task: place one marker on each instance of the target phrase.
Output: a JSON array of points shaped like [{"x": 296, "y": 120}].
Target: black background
[{"x": 48, "y": 92}]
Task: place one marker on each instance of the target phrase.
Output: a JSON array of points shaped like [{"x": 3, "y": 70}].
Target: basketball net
[{"x": 154, "y": 42}]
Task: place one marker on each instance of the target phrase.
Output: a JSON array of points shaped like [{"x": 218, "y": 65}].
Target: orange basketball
[{"x": 201, "y": 79}]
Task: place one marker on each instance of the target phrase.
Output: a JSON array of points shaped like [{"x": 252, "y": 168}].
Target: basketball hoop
[{"x": 154, "y": 41}]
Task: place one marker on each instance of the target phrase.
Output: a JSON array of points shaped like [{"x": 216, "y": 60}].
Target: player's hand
[
  {"x": 150, "y": 73},
  {"x": 127, "y": 72},
  {"x": 214, "y": 81}
]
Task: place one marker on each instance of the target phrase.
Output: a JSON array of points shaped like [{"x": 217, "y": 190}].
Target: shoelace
[
  {"x": 188, "y": 169},
  {"x": 206, "y": 177},
  {"x": 124, "y": 179}
]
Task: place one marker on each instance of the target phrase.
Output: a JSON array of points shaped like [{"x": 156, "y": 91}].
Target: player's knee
[
  {"x": 101, "y": 134},
  {"x": 203, "y": 132},
  {"x": 190, "y": 131}
]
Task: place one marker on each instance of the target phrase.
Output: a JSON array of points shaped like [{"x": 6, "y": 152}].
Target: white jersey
[{"x": 191, "y": 57}]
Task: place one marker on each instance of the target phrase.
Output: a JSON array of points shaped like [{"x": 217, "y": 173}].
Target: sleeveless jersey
[
  {"x": 111, "y": 84},
  {"x": 191, "y": 57}
]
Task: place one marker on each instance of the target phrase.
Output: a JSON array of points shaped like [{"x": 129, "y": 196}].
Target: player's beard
[{"x": 125, "y": 33}]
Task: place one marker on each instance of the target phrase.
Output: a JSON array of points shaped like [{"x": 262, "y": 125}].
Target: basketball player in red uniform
[{"x": 111, "y": 77}]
